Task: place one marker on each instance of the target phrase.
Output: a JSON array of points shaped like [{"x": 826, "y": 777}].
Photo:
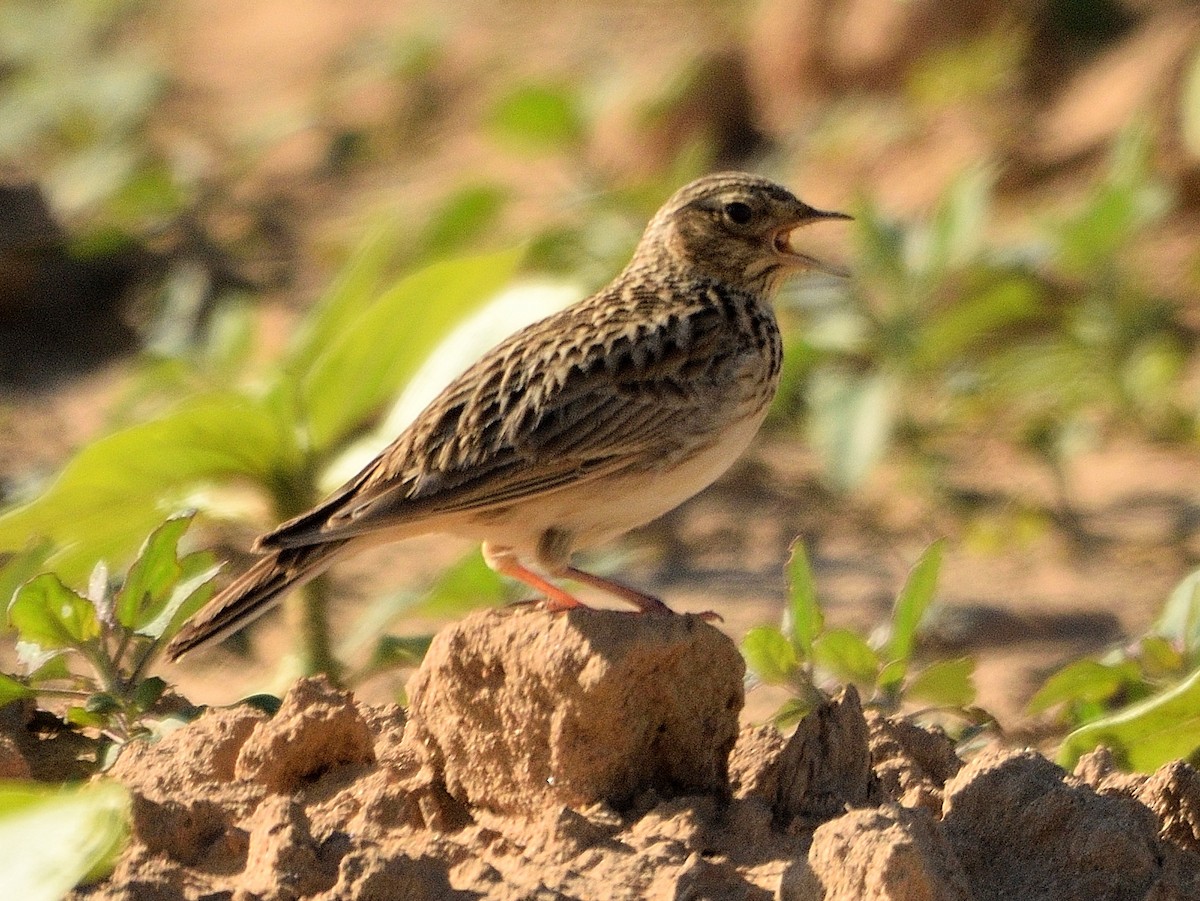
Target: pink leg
[
  {"x": 646, "y": 603},
  {"x": 505, "y": 564}
]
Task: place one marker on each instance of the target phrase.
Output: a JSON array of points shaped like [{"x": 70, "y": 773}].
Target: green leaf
[
  {"x": 1145, "y": 735},
  {"x": 13, "y": 690},
  {"x": 769, "y": 654},
  {"x": 946, "y": 683},
  {"x": 1180, "y": 619},
  {"x": 804, "y": 618},
  {"x": 538, "y": 116},
  {"x": 193, "y": 590},
  {"x": 1087, "y": 681},
  {"x": 53, "y": 838},
  {"x": 357, "y": 285},
  {"x": 22, "y": 567},
  {"x": 952, "y": 333},
  {"x": 913, "y": 602},
  {"x": 152, "y": 575},
  {"x": 462, "y": 219},
  {"x": 851, "y": 419},
  {"x": 370, "y": 359},
  {"x": 47, "y": 613},
  {"x": 467, "y": 585},
  {"x": 116, "y": 490},
  {"x": 394, "y": 651},
  {"x": 790, "y": 712},
  {"x": 847, "y": 656}
]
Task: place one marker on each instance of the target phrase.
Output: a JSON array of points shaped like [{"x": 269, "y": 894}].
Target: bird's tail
[{"x": 253, "y": 593}]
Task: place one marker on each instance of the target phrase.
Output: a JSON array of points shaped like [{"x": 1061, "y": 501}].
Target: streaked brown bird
[{"x": 580, "y": 427}]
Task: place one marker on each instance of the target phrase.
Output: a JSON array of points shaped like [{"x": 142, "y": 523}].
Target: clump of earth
[{"x": 598, "y": 755}]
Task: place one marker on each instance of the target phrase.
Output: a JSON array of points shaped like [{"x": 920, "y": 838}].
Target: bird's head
[{"x": 734, "y": 227}]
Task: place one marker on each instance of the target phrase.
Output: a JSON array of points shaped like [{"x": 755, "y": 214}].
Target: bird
[{"x": 588, "y": 423}]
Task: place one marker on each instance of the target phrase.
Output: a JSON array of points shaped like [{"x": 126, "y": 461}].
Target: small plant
[
  {"x": 1142, "y": 700},
  {"x": 805, "y": 656},
  {"x": 94, "y": 651}
]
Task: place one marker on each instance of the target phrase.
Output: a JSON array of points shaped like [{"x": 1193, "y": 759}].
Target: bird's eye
[{"x": 738, "y": 213}]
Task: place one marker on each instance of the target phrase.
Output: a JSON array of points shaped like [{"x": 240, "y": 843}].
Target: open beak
[{"x": 783, "y": 243}]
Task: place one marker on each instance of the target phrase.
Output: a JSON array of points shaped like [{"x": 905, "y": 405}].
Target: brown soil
[{"x": 597, "y": 755}]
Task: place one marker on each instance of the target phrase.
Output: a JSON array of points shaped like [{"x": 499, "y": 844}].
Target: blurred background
[{"x": 186, "y": 185}]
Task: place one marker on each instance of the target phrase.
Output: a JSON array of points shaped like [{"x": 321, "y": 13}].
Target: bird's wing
[{"x": 504, "y": 432}]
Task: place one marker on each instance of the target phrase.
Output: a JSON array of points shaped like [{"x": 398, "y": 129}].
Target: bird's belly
[{"x": 597, "y": 511}]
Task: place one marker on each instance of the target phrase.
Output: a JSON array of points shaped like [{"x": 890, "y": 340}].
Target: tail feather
[{"x": 253, "y": 593}]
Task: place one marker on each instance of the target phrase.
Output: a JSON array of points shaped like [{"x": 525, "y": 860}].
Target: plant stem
[{"x": 307, "y": 611}]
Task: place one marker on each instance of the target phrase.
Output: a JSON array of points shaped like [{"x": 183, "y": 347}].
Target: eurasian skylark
[{"x": 579, "y": 427}]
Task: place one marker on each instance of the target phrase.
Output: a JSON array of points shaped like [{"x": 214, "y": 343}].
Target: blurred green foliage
[
  {"x": 1140, "y": 700},
  {"x": 940, "y": 331},
  {"x": 53, "y": 838},
  {"x": 277, "y": 433}
]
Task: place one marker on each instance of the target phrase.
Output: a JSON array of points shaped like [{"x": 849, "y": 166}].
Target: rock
[
  {"x": 912, "y": 762},
  {"x": 518, "y": 710},
  {"x": 754, "y": 764},
  {"x": 826, "y": 766},
  {"x": 316, "y": 729},
  {"x": 1172, "y": 793},
  {"x": 889, "y": 853},
  {"x": 1022, "y": 829}
]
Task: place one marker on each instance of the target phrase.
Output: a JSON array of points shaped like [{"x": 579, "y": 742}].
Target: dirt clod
[
  {"x": 826, "y": 766},
  {"x": 331, "y": 801},
  {"x": 888, "y": 853},
  {"x": 520, "y": 709},
  {"x": 1021, "y": 828},
  {"x": 316, "y": 729}
]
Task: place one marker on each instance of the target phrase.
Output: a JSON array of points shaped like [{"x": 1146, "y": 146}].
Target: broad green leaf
[
  {"x": 393, "y": 651},
  {"x": 372, "y": 358},
  {"x": 13, "y": 690},
  {"x": 1145, "y": 735},
  {"x": 462, "y": 219},
  {"x": 22, "y": 567},
  {"x": 769, "y": 654},
  {"x": 152, "y": 575},
  {"x": 850, "y": 421},
  {"x": 1088, "y": 681},
  {"x": 804, "y": 618},
  {"x": 790, "y": 712},
  {"x": 193, "y": 590},
  {"x": 890, "y": 676},
  {"x": 53, "y": 838},
  {"x": 116, "y": 490},
  {"x": 466, "y": 585},
  {"x": 913, "y": 602},
  {"x": 353, "y": 291},
  {"x": 1180, "y": 618},
  {"x": 946, "y": 683},
  {"x": 1160, "y": 659},
  {"x": 847, "y": 656},
  {"x": 47, "y": 613}
]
